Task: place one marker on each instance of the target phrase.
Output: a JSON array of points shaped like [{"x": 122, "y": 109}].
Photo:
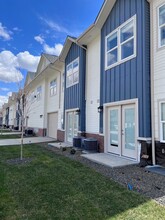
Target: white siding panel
[
  {"x": 93, "y": 86},
  {"x": 35, "y": 109},
  {"x": 159, "y": 67}
]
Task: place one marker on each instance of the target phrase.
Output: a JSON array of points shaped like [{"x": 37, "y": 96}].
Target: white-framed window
[
  {"x": 161, "y": 25},
  {"x": 32, "y": 96},
  {"x": 72, "y": 73},
  {"x": 162, "y": 121},
  {"x": 39, "y": 91},
  {"x": 120, "y": 45},
  {"x": 53, "y": 87}
]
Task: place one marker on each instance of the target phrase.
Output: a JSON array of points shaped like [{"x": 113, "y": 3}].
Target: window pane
[
  {"x": 69, "y": 80},
  {"x": 69, "y": 69},
  {"x": 162, "y": 15},
  {"x": 129, "y": 128},
  {"x": 127, "y": 32},
  {"x": 112, "y": 57},
  {"x": 163, "y": 131},
  {"x": 75, "y": 77},
  {"x": 112, "y": 41},
  {"x": 75, "y": 66},
  {"x": 127, "y": 49},
  {"x": 162, "y": 36},
  {"x": 163, "y": 112},
  {"x": 114, "y": 127}
]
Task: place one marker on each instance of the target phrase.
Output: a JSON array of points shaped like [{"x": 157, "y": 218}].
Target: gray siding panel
[{"x": 130, "y": 79}]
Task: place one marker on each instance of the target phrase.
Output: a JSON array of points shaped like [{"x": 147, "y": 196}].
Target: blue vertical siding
[
  {"x": 130, "y": 79},
  {"x": 74, "y": 96}
]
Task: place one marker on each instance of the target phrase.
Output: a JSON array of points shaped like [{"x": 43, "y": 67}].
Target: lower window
[{"x": 162, "y": 121}]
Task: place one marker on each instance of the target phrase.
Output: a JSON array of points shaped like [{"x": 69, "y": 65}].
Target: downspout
[{"x": 152, "y": 85}]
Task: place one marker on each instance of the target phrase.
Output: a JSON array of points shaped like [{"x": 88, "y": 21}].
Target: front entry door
[
  {"x": 122, "y": 131},
  {"x": 72, "y": 126}
]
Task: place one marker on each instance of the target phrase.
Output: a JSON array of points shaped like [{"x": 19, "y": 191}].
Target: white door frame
[
  {"x": 66, "y": 125},
  {"x": 107, "y": 106},
  {"x": 47, "y": 122}
]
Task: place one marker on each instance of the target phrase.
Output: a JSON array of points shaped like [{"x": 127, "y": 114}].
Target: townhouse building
[
  {"x": 108, "y": 69},
  {"x": 43, "y": 92},
  {"x": 157, "y": 11}
]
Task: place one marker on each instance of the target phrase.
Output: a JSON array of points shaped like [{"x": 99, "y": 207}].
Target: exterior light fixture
[
  {"x": 41, "y": 116},
  {"x": 77, "y": 112},
  {"x": 100, "y": 109}
]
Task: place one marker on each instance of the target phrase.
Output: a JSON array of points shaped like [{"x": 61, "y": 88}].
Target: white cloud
[
  {"x": 11, "y": 64},
  {"x": 39, "y": 39},
  {"x": 27, "y": 61},
  {"x": 56, "y": 50},
  {"x": 3, "y": 99},
  {"x": 9, "y": 94},
  {"x": 4, "y": 33},
  {"x": 4, "y": 89},
  {"x": 59, "y": 28},
  {"x": 16, "y": 29},
  {"x": 54, "y": 26}
]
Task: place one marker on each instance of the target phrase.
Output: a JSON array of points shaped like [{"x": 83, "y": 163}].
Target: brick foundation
[
  {"x": 41, "y": 132},
  {"x": 61, "y": 135}
]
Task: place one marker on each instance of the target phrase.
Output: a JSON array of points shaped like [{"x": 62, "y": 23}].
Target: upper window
[
  {"x": 39, "y": 91},
  {"x": 53, "y": 87},
  {"x": 162, "y": 26},
  {"x": 162, "y": 121},
  {"x": 32, "y": 96},
  {"x": 72, "y": 73},
  {"x": 121, "y": 44}
]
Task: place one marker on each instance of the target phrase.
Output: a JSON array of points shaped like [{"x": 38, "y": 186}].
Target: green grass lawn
[
  {"x": 10, "y": 136},
  {"x": 55, "y": 187}
]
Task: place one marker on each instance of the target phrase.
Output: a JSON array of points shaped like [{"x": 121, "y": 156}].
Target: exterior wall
[
  {"x": 51, "y": 102},
  {"x": 60, "y": 135},
  {"x": 61, "y": 104},
  {"x": 158, "y": 67},
  {"x": 130, "y": 79},
  {"x": 12, "y": 114},
  {"x": 75, "y": 95},
  {"x": 35, "y": 109},
  {"x": 93, "y": 86}
]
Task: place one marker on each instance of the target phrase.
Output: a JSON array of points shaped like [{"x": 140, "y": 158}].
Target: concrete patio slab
[
  {"x": 156, "y": 169},
  {"x": 109, "y": 160},
  {"x": 27, "y": 140}
]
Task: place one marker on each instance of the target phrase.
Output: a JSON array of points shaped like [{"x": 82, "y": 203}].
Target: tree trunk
[{"x": 22, "y": 141}]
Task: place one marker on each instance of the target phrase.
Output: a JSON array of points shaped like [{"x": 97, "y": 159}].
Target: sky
[{"x": 31, "y": 27}]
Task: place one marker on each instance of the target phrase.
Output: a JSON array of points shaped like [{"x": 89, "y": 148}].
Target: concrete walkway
[
  {"x": 26, "y": 140},
  {"x": 10, "y": 133}
]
